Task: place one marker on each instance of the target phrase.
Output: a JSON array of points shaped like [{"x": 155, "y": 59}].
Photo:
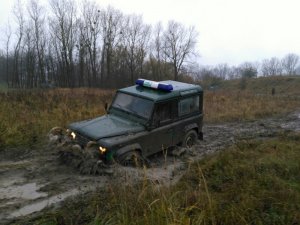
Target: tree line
[
  {"x": 212, "y": 75},
  {"x": 68, "y": 45},
  {"x": 288, "y": 65},
  {"x": 62, "y": 44}
]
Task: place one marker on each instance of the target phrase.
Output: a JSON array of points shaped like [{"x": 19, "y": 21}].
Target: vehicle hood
[{"x": 106, "y": 126}]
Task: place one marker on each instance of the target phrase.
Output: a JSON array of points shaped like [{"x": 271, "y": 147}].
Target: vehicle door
[
  {"x": 189, "y": 116},
  {"x": 161, "y": 136}
]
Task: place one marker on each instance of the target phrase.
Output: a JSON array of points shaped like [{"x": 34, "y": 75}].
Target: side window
[
  {"x": 163, "y": 113},
  {"x": 188, "y": 105}
]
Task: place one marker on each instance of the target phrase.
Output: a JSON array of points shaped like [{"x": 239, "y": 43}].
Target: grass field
[
  {"x": 226, "y": 105},
  {"x": 27, "y": 116},
  {"x": 284, "y": 85},
  {"x": 252, "y": 182}
]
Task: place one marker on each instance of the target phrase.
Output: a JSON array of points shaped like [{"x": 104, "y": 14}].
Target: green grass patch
[
  {"x": 256, "y": 182},
  {"x": 253, "y": 182}
]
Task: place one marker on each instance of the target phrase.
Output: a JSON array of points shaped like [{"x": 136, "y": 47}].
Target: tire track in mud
[{"x": 31, "y": 181}]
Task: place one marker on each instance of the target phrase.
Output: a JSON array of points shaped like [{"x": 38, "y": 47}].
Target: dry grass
[
  {"x": 227, "y": 105},
  {"x": 27, "y": 116},
  {"x": 253, "y": 182},
  {"x": 284, "y": 85}
]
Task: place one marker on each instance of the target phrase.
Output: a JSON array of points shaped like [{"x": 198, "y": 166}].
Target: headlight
[
  {"x": 102, "y": 150},
  {"x": 73, "y": 135}
]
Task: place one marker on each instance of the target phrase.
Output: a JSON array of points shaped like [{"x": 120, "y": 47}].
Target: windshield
[{"x": 133, "y": 104}]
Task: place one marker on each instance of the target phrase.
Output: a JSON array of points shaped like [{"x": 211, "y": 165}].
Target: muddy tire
[
  {"x": 85, "y": 160},
  {"x": 131, "y": 159},
  {"x": 90, "y": 164},
  {"x": 91, "y": 167},
  {"x": 69, "y": 156},
  {"x": 190, "y": 139}
]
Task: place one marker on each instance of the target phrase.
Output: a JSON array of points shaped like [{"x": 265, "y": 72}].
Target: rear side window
[
  {"x": 163, "y": 113},
  {"x": 188, "y": 105}
]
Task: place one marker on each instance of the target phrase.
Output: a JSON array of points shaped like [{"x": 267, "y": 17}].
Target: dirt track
[{"x": 30, "y": 181}]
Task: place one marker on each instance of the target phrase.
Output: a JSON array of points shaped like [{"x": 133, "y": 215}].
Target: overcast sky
[{"x": 230, "y": 31}]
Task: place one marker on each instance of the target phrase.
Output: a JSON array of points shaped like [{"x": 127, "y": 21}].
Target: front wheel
[
  {"x": 131, "y": 158},
  {"x": 190, "y": 139}
]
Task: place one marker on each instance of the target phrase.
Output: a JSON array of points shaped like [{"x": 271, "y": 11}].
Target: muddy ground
[{"x": 32, "y": 181}]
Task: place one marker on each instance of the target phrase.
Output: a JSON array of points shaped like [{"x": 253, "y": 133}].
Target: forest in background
[{"x": 63, "y": 44}]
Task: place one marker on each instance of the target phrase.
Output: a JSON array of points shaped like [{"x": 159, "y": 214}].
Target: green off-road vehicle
[{"x": 142, "y": 120}]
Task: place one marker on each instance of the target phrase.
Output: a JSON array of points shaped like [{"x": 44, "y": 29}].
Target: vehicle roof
[{"x": 179, "y": 89}]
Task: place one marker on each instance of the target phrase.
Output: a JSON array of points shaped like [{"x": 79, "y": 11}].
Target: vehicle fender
[
  {"x": 128, "y": 148},
  {"x": 190, "y": 127}
]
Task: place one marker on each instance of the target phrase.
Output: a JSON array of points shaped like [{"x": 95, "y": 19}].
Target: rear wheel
[
  {"x": 131, "y": 158},
  {"x": 190, "y": 139}
]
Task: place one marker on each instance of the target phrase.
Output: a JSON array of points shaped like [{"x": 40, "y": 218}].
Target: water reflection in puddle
[
  {"x": 26, "y": 191},
  {"x": 40, "y": 205}
]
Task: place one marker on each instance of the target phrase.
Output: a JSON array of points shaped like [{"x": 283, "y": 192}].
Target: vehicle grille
[{"x": 81, "y": 140}]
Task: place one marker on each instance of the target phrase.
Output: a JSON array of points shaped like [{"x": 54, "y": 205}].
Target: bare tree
[
  {"x": 63, "y": 32},
  {"x": 298, "y": 70},
  {"x": 207, "y": 77},
  {"x": 265, "y": 67},
  {"x": 82, "y": 55},
  {"x": 19, "y": 16},
  {"x": 222, "y": 71},
  {"x": 8, "y": 35},
  {"x": 136, "y": 38},
  {"x": 180, "y": 43},
  {"x": 249, "y": 70},
  {"x": 2, "y": 65},
  {"x": 156, "y": 55},
  {"x": 234, "y": 72},
  {"x": 275, "y": 66},
  {"x": 99, "y": 47},
  {"x": 29, "y": 78},
  {"x": 289, "y": 63},
  {"x": 90, "y": 37},
  {"x": 112, "y": 34},
  {"x": 271, "y": 67},
  {"x": 37, "y": 16}
]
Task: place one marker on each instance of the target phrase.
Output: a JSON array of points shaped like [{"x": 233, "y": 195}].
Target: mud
[{"x": 33, "y": 181}]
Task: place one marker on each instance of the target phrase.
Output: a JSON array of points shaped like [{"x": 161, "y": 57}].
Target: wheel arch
[
  {"x": 194, "y": 126},
  {"x": 128, "y": 148}
]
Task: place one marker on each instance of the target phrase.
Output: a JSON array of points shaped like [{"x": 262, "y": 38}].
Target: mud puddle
[
  {"x": 40, "y": 205},
  {"x": 25, "y": 191},
  {"x": 28, "y": 186},
  {"x": 39, "y": 184}
]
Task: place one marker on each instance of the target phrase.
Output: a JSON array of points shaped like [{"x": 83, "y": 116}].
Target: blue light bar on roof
[{"x": 155, "y": 85}]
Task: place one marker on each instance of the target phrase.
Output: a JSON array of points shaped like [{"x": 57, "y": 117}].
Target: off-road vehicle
[{"x": 142, "y": 120}]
